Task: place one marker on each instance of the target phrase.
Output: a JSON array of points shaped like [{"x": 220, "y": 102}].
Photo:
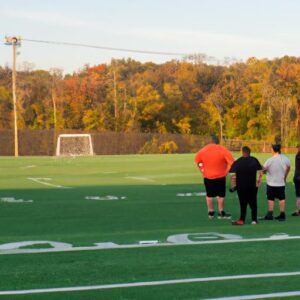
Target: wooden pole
[{"x": 14, "y": 94}]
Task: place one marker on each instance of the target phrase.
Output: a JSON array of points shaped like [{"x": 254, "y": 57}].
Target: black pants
[
  {"x": 297, "y": 186},
  {"x": 248, "y": 196}
]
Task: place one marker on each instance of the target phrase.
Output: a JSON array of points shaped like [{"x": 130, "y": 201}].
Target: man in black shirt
[
  {"x": 297, "y": 183},
  {"x": 245, "y": 169}
]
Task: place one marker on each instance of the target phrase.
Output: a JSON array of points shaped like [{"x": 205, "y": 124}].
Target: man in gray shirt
[{"x": 277, "y": 169}]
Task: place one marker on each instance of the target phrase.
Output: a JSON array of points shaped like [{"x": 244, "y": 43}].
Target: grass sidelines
[{"x": 143, "y": 209}]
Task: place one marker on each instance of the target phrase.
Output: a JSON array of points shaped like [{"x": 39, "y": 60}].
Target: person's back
[
  {"x": 276, "y": 170},
  {"x": 297, "y": 165},
  {"x": 246, "y": 170},
  {"x": 214, "y": 162},
  {"x": 296, "y": 181},
  {"x": 215, "y": 159}
]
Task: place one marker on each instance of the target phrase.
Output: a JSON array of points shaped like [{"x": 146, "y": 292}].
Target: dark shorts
[
  {"x": 297, "y": 187},
  {"x": 215, "y": 187},
  {"x": 274, "y": 192}
]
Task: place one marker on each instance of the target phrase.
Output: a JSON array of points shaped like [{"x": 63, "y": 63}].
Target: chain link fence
[{"x": 43, "y": 142}]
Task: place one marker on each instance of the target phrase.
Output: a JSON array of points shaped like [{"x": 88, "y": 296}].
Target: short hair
[
  {"x": 246, "y": 150},
  {"x": 276, "y": 148},
  {"x": 215, "y": 139}
]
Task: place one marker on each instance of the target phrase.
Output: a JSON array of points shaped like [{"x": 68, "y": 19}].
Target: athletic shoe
[
  {"x": 296, "y": 213},
  {"x": 224, "y": 215},
  {"x": 281, "y": 217},
  {"x": 268, "y": 217},
  {"x": 253, "y": 222},
  {"x": 238, "y": 222},
  {"x": 211, "y": 214}
]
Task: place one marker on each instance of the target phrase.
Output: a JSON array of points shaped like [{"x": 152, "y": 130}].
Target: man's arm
[
  {"x": 258, "y": 181},
  {"x": 288, "y": 168},
  {"x": 229, "y": 160},
  {"x": 198, "y": 160},
  {"x": 198, "y": 157},
  {"x": 233, "y": 170},
  {"x": 260, "y": 172},
  {"x": 233, "y": 167},
  {"x": 265, "y": 167}
]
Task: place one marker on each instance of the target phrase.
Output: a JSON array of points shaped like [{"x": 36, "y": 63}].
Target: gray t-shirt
[{"x": 276, "y": 167}]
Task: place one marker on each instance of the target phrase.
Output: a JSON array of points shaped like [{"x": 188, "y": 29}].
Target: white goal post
[{"x": 74, "y": 145}]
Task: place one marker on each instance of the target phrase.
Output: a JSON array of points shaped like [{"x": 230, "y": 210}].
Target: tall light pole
[{"x": 14, "y": 42}]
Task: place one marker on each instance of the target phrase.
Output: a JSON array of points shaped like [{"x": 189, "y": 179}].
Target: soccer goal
[{"x": 74, "y": 145}]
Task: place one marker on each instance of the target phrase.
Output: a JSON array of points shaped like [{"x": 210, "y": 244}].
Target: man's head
[
  {"x": 246, "y": 151},
  {"x": 215, "y": 139},
  {"x": 276, "y": 148}
]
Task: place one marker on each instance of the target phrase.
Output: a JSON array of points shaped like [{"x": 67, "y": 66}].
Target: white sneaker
[{"x": 253, "y": 223}]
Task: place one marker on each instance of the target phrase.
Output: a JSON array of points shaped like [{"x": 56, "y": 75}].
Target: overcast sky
[{"x": 218, "y": 28}]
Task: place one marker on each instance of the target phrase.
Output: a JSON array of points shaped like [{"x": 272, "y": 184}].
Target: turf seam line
[{"x": 147, "y": 283}]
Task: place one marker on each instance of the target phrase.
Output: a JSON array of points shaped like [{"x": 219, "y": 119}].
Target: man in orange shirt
[{"x": 214, "y": 162}]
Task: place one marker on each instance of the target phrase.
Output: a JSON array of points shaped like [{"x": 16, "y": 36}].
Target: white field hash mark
[
  {"x": 14, "y": 200},
  {"x": 152, "y": 283},
  {"x": 105, "y": 198},
  {"x": 44, "y": 181}
]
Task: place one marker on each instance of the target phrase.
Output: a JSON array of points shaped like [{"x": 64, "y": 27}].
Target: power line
[{"x": 106, "y": 48}]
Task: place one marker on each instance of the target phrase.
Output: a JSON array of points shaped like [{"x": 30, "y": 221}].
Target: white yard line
[
  {"x": 154, "y": 178},
  {"x": 28, "y": 167},
  {"x": 111, "y": 172},
  {"x": 150, "y": 283},
  {"x": 261, "y": 296},
  {"x": 140, "y": 178},
  {"x": 44, "y": 181},
  {"x": 171, "y": 175}
]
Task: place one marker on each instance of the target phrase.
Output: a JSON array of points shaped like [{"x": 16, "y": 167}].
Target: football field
[{"x": 135, "y": 227}]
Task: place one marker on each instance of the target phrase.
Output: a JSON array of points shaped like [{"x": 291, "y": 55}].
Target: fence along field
[
  {"x": 44, "y": 142},
  {"x": 107, "y": 203}
]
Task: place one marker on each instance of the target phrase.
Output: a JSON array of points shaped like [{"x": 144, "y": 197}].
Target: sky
[{"x": 217, "y": 28}]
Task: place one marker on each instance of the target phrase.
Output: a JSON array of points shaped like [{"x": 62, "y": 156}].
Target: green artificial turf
[
  {"x": 190, "y": 291},
  {"x": 151, "y": 211}
]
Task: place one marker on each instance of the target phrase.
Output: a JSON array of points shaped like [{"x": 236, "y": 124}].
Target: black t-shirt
[
  {"x": 297, "y": 166},
  {"x": 245, "y": 169}
]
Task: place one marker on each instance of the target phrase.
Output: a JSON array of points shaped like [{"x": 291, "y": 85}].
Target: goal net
[{"x": 74, "y": 145}]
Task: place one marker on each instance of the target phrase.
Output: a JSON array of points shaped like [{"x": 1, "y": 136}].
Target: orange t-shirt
[{"x": 216, "y": 161}]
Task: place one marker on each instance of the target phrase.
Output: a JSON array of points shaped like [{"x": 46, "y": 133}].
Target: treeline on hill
[{"x": 255, "y": 100}]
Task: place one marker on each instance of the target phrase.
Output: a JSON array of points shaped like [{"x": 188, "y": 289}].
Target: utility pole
[
  {"x": 116, "y": 106},
  {"x": 14, "y": 42},
  {"x": 54, "y": 73}
]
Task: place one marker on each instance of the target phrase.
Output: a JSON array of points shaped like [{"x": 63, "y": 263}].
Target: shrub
[
  {"x": 168, "y": 147},
  {"x": 150, "y": 147}
]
